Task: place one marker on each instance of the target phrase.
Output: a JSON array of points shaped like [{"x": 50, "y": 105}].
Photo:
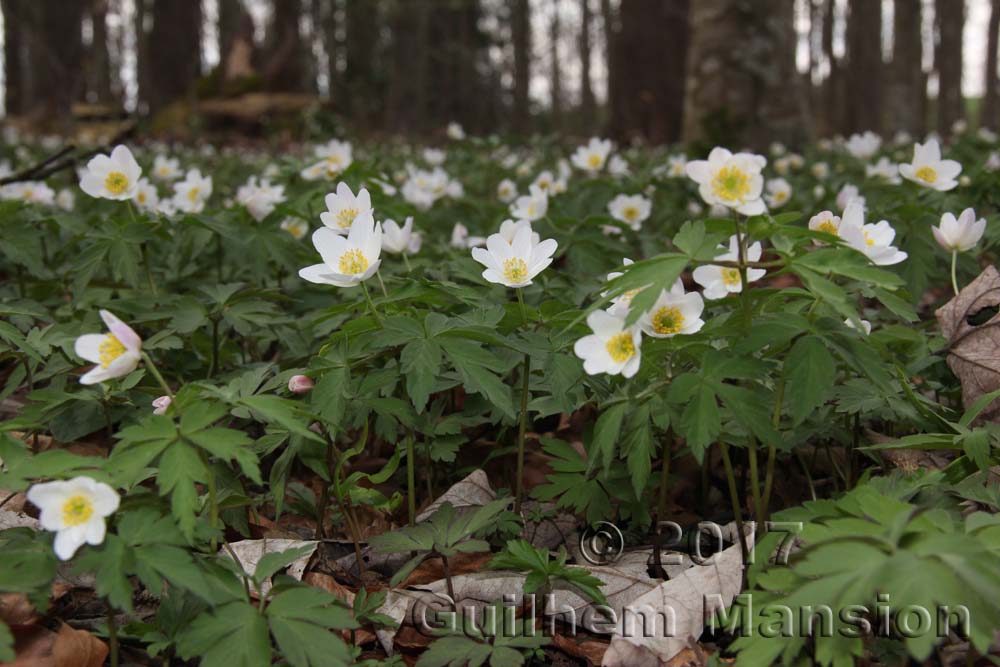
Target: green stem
[
  {"x": 734, "y": 497},
  {"x": 214, "y": 363},
  {"x": 779, "y": 397},
  {"x": 154, "y": 371},
  {"x": 954, "y": 280},
  {"x": 411, "y": 479},
  {"x": 524, "y": 309},
  {"x": 661, "y": 503},
  {"x": 112, "y": 635},
  {"x": 378, "y": 274},
  {"x": 371, "y": 305},
  {"x": 213, "y": 502},
  {"x": 406, "y": 260},
  {"x": 219, "y": 254},
  {"x": 758, "y": 504},
  {"x": 742, "y": 261},
  {"x": 521, "y": 431},
  {"x": 143, "y": 250}
]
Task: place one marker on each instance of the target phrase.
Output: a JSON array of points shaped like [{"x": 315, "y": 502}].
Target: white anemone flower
[
  {"x": 863, "y": 146},
  {"x": 344, "y": 207},
  {"x": 959, "y": 234},
  {"x": 633, "y": 210},
  {"x": 847, "y": 194},
  {"x": 66, "y": 200},
  {"x": 455, "y": 131},
  {"x": 613, "y": 348},
  {"x": 116, "y": 353},
  {"x": 166, "y": 168},
  {"x": 75, "y": 511},
  {"x": 929, "y": 170},
  {"x": 112, "y": 177},
  {"x": 515, "y": 263},
  {"x": 506, "y": 191},
  {"x": 719, "y": 281},
  {"x": 260, "y": 197},
  {"x": 435, "y": 157},
  {"x": 729, "y": 179},
  {"x": 779, "y": 191},
  {"x": 347, "y": 260},
  {"x": 885, "y": 169},
  {"x": 460, "y": 237},
  {"x": 510, "y": 228},
  {"x": 191, "y": 193},
  {"x": 544, "y": 180},
  {"x": 398, "y": 240},
  {"x": 621, "y": 303},
  {"x": 820, "y": 170},
  {"x": 618, "y": 166},
  {"x": 147, "y": 198},
  {"x": 826, "y": 222},
  {"x": 674, "y": 312},
  {"x": 531, "y": 206},
  {"x": 296, "y": 227},
  {"x": 873, "y": 240},
  {"x": 866, "y": 326},
  {"x": 592, "y": 157}
]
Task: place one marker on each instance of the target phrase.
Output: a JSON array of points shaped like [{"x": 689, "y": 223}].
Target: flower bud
[
  {"x": 300, "y": 384},
  {"x": 160, "y": 405}
]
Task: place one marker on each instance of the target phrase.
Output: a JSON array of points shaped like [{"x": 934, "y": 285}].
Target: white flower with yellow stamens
[
  {"x": 874, "y": 241},
  {"x": 506, "y": 191},
  {"x": 730, "y": 180},
  {"x": 621, "y": 303},
  {"x": 613, "y": 348},
  {"x": 66, "y": 200},
  {"x": 112, "y": 177},
  {"x": 435, "y": 157},
  {"x": 544, "y": 180},
  {"x": 344, "y": 207},
  {"x": 719, "y": 281},
  {"x": 514, "y": 263},
  {"x": 296, "y": 227},
  {"x": 75, "y": 511},
  {"x": 779, "y": 191},
  {"x": 959, "y": 234},
  {"x": 820, "y": 170},
  {"x": 116, "y": 353},
  {"x": 863, "y": 146},
  {"x": 826, "y": 222},
  {"x": 633, "y": 210},
  {"x": 455, "y": 131},
  {"x": 191, "y": 194},
  {"x": 510, "y": 228},
  {"x": 166, "y": 169},
  {"x": 347, "y": 260},
  {"x": 929, "y": 170},
  {"x": 675, "y": 312},
  {"x": 592, "y": 157},
  {"x": 532, "y": 206},
  {"x": 398, "y": 240},
  {"x": 885, "y": 169},
  {"x": 147, "y": 198}
]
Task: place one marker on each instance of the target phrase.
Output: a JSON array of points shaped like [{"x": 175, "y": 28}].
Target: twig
[{"x": 64, "y": 159}]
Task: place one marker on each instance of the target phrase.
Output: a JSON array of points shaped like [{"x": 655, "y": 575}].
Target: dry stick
[{"x": 53, "y": 164}]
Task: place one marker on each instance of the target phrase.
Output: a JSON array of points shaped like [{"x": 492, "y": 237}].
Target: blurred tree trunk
[
  {"x": 650, "y": 94},
  {"x": 230, "y": 19},
  {"x": 907, "y": 98},
  {"x": 864, "y": 66},
  {"x": 520, "y": 26},
  {"x": 332, "y": 47},
  {"x": 950, "y": 17},
  {"x": 615, "y": 98},
  {"x": 831, "y": 121},
  {"x": 15, "y": 53},
  {"x": 175, "y": 59},
  {"x": 740, "y": 65},
  {"x": 988, "y": 115},
  {"x": 285, "y": 68},
  {"x": 556, "y": 71},
  {"x": 100, "y": 85},
  {"x": 56, "y": 57},
  {"x": 360, "y": 73},
  {"x": 587, "y": 103},
  {"x": 141, "y": 56}
]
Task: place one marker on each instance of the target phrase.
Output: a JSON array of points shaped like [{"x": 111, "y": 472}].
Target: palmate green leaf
[
  {"x": 179, "y": 470},
  {"x": 977, "y": 446},
  {"x": 110, "y": 564},
  {"x": 302, "y": 620},
  {"x": 229, "y": 444},
  {"x": 700, "y": 422},
  {"x": 639, "y": 447},
  {"x": 826, "y": 290},
  {"x": 272, "y": 562},
  {"x": 420, "y": 362},
  {"x": 810, "y": 372},
  {"x": 605, "y": 438},
  {"x": 459, "y": 651},
  {"x": 281, "y": 411},
  {"x": 232, "y": 635},
  {"x": 850, "y": 264},
  {"x": 752, "y": 409}
]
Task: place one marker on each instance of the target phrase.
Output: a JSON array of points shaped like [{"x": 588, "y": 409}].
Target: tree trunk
[
  {"x": 864, "y": 66},
  {"x": 587, "y": 103},
  {"x": 174, "y": 70},
  {"x": 520, "y": 26},
  {"x": 56, "y": 55},
  {"x": 556, "y": 70},
  {"x": 285, "y": 68},
  {"x": 230, "y": 20},
  {"x": 141, "y": 56},
  {"x": 613, "y": 60},
  {"x": 650, "y": 95},
  {"x": 988, "y": 116},
  {"x": 361, "y": 96},
  {"x": 15, "y": 48},
  {"x": 907, "y": 96},
  {"x": 99, "y": 86},
  {"x": 950, "y": 16},
  {"x": 740, "y": 63}
]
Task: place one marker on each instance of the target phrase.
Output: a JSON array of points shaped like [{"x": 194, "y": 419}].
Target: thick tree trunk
[
  {"x": 285, "y": 68},
  {"x": 907, "y": 97},
  {"x": 56, "y": 55},
  {"x": 520, "y": 26},
  {"x": 864, "y": 66},
  {"x": 588, "y": 105},
  {"x": 100, "y": 87},
  {"x": 988, "y": 115},
  {"x": 15, "y": 48},
  {"x": 174, "y": 70},
  {"x": 230, "y": 20},
  {"x": 831, "y": 120},
  {"x": 142, "y": 15},
  {"x": 950, "y": 16},
  {"x": 650, "y": 94},
  {"x": 740, "y": 64},
  {"x": 555, "y": 67},
  {"x": 361, "y": 96}
]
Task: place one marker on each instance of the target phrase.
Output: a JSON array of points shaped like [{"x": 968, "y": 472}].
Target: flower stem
[
  {"x": 524, "y": 309},
  {"x": 112, "y": 635},
  {"x": 521, "y": 430},
  {"x": 779, "y": 396},
  {"x": 411, "y": 479},
  {"x": 145, "y": 253},
  {"x": 954, "y": 280},
  {"x": 154, "y": 371},
  {"x": 378, "y": 274},
  {"x": 661, "y": 505},
  {"x": 406, "y": 260},
  {"x": 734, "y": 497},
  {"x": 371, "y": 305}
]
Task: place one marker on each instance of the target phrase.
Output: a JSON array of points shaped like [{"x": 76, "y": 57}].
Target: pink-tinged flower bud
[
  {"x": 160, "y": 405},
  {"x": 300, "y": 384}
]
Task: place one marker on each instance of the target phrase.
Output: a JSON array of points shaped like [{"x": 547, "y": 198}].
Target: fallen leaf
[
  {"x": 432, "y": 569},
  {"x": 974, "y": 349},
  {"x": 330, "y": 585},
  {"x": 17, "y": 609},
  {"x": 249, "y": 553},
  {"x": 77, "y": 648},
  {"x": 473, "y": 491},
  {"x": 585, "y": 648},
  {"x": 556, "y": 529},
  {"x": 9, "y": 519}
]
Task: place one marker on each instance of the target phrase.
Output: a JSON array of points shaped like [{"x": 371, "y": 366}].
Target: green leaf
[
  {"x": 810, "y": 372},
  {"x": 302, "y": 620},
  {"x": 272, "y": 562},
  {"x": 233, "y": 635},
  {"x": 180, "y": 469},
  {"x": 606, "y": 431}
]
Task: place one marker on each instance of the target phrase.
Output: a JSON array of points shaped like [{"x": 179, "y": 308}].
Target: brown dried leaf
[
  {"x": 250, "y": 552},
  {"x": 78, "y": 648},
  {"x": 432, "y": 569},
  {"x": 586, "y": 648},
  {"x": 974, "y": 350},
  {"x": 473, "y": 491},
  {"x": 17, "y": 609}
]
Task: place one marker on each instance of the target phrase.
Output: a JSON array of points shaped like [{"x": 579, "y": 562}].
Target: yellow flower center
[
  {"x": 621, "y": 347},
  {"x": 77, "y": 510},
  {"x": 346, "y": 216},
  {"x": 353, "y": 262},
  {"x": 731, "y": 277},
  {"x": 515, "y": 270},
  {"x": 193, "y": 194},
  {"x": 668, "y": 320},
  {"x": 731, "y": 184},
  {"x": 109, "y": 350},
  {"x": 869, "y": 241},
  {"x": 141, "y": 197},
  {"x": 116, "y": 182},
  {"x": 630, "y": 213},
  {"x": 531, "y": 210},
  {"x": 780, "y": 196},
  {"x": 926, "y": 174},
  {"x": 594, "y": 161},
  {"x": 828, "y": 227}
]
